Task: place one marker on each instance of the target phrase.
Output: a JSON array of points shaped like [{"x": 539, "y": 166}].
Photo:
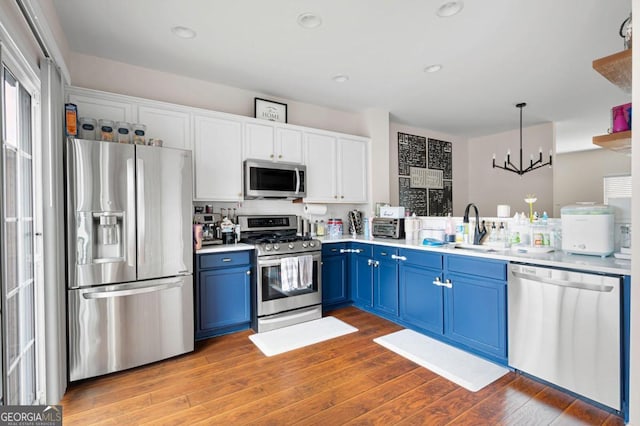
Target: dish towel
[
  {"x": 305, "y": 265},
  {"x": 289, "y": 273}
]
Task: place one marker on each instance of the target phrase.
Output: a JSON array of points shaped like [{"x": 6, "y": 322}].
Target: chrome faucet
[{"x": 480, "y": 232}]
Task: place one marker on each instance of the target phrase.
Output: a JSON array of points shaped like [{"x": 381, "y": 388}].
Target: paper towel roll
[
  {"x": 315, "y": 209},
  {"x": 504, "y": 210}
]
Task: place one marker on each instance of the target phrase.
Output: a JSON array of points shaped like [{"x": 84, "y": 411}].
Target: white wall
[
  {"x": 489, "y": 187},
  {"x": 459, "y": 159},
  {"x": 378, "y": 129},
  {"x": 578, "y": 176},
  {"x": 117, "y": 77}
]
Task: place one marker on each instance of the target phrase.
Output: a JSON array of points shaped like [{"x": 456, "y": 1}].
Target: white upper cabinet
[
  {"x": 272, "y": 142},
  {"x": 259, "y": 141},
  {"x": 336, "y": 168},
  {"x": 321, "y": 167},
  {"x": 289, "y": 146},
  {"x": 217, "y": 154},
  {"x": 352, "y": 169},
  {"x": 169, "y": 124},
  {"x": 100, "y": 105}
]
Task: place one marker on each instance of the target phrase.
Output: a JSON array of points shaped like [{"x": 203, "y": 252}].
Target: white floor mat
[
  {"x": 296, "y": 336},
  {"x": 462, "y": 368}
]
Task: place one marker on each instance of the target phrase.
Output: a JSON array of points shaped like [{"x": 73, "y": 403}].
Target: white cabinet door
[
  {"x": 352, "y": 170},
  {"x": 173, "y": 127},
  {"x": 321, "y": 164},
  {"x": 259, "y": 141},
  {"x": 289, "y": 145},
  {"x": 97, "y": 105},
  {"x": 217, "y": 154}
]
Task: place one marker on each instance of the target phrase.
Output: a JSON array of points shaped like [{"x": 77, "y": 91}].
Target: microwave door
[{"x": 164, "y": 188}]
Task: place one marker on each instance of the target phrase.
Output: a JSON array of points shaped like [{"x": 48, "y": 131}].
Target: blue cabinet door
[
  {"x": 421, "y": 301},
  {"x": 334, "y": 278},
  {"x": 385, "y": 280},
  {"x": 476, "y": 313},
  {"x": 361, "y": 275},
  {"x": 224, "y": 298}
]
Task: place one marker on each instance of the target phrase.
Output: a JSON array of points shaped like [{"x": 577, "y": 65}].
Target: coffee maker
[{"x": 210, "y": 227}]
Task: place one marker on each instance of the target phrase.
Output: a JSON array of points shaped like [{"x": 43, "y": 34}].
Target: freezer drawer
[
  {"x": 112, "y": 328},
  {"x": 564, "y": 327}
]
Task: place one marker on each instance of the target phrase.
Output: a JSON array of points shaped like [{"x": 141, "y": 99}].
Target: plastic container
[
  {"x": 71, "y": 119},
  {"x": 154, "y": 142},
  {"x": 123, "y": 132},
  {"x": 88, "y": 128},
  {"x": 139, "y": 132},
  {"x": 107, "y": 130}
]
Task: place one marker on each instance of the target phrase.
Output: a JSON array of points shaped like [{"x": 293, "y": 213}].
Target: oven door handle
[{"x": 278, "y": 261}]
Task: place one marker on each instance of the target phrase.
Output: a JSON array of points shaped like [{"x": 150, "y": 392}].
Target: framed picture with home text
[{"x": 270, "y": 110}]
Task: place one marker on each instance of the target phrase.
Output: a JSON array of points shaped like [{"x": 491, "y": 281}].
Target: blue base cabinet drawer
[
  {"x": 219, "y": 260},
  {"x": 487, "y": 268}
]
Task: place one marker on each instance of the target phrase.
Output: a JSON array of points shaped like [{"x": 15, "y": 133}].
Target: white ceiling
[{"x": 495, "y": 53}]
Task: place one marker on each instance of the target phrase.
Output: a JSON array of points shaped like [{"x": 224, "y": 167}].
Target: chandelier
[{"x": 533, "y": 165}]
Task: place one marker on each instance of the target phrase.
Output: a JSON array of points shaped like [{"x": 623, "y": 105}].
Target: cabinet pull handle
[
  {"x": 248, "y": 272},
  {"x": 280, "y": 156},
  {"x": 358, "y": 251},
  {"x": 383, "y": 253},
  {"x": 437, "y": 282},
  {"x": 226, "y": 259},
  {"x": 395, "y": 257},
  {"x": 342, "y": 196},
  {"x": 447, "y": 283},
  {"x": 271, "y": 156},
  {"x": 376, "y": 263},
  {"x": 335, "y": 250},
  {"x": 335, "y": 196},
  {"x": 343, "y": 250}
]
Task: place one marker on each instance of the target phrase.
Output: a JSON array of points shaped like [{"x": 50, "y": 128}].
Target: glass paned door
[{"x": 17, "y": 244}]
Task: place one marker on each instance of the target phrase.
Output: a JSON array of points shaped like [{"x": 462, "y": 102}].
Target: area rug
[
  {"x": 462, "y": 368},
  {"x": 296, "y": 336}
]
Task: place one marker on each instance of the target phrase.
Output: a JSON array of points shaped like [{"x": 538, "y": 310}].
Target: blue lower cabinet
[
  {"x": 385, "y": 280},
  {"x": 361, "y": 275},
  {"x": 476, "y": 313},
  {"x": 421, "y": 301},
  {"x": 223, "y": 300},
  {"x": 335, "y": 279}
]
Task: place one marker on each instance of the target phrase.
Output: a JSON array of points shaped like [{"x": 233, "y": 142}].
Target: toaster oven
[{"x": 386, "y": 227}]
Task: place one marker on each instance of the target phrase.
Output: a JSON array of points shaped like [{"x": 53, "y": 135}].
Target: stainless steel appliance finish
[
  {"x": 266, "y": 179},
  {"x": 276, "y": 241},
  {"x": 387, "y": 227},
  {"x": 129, "y": 229},
  {"x": 564, "y": 327},
  {"x": 120, "y": 326}
]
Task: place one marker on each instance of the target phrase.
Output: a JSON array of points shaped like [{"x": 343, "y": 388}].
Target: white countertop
[
  {"x": 556, "y": 259},
  {"x": 222, "y": 248}
]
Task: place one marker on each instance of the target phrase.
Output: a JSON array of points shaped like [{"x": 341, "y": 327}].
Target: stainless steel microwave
[{"x": 267, "y": 179}]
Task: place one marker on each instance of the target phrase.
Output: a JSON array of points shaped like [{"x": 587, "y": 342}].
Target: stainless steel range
[{"x": 288, "y": 287}]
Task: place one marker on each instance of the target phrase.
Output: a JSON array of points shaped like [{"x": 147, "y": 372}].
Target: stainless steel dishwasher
[{"x": 564, "y": 327}]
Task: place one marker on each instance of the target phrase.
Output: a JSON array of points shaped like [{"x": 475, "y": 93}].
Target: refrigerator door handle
[
  {"x": 141, "y": 210},
  {"x": 129, "y": 219},
  {"x": 106, "y": 294}
]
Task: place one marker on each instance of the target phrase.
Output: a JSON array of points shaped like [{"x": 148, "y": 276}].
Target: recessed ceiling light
[
  {"x": 183, "y": 32},
  {"x": 340, "y": 78},
  {"x": 433, "y": 68},
  {"x": 449, "y": 8},
  {"x": 309, "y": 20}
]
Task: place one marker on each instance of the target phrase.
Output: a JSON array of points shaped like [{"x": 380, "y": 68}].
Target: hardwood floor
[{"x": 347, "y": 380}]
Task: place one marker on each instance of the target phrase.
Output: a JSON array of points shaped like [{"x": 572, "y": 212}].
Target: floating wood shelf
[
  {"x": 620, "y": 141},
  {"x": 616, "y": 68}
]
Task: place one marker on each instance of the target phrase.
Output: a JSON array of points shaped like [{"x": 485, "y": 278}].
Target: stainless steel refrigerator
[{"x": 130, "y": 255}]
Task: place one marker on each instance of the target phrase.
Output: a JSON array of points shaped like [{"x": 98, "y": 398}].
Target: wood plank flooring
[{"x": 347, "y": 380}]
